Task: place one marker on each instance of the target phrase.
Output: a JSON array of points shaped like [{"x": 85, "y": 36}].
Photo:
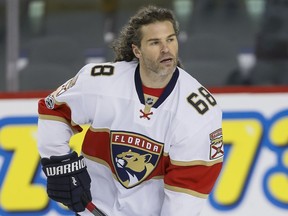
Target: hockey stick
[
  {"x": 91, "y": 207},
  {"x": 94, "y": 210}
]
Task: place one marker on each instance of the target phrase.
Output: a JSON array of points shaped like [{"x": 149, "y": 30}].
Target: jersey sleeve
[
  {"x": 194, "y": 162},
  {"x": 60, "y": 115}
]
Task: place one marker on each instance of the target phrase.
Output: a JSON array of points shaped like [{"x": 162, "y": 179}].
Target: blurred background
[{"x": 222, "y": 42}]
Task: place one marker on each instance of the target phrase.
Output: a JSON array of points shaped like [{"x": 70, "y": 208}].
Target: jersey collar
[{"x": 168, "y": 89}]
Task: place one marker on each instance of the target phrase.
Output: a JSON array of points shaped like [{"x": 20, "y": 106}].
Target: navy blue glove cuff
[{"x": 63, "y": 165}]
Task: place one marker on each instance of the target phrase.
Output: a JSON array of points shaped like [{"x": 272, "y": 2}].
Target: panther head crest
[{"x": 136, "y": 166}]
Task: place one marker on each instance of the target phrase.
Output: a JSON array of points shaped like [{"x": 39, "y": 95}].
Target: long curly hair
[{"x": 131, "y": 33}]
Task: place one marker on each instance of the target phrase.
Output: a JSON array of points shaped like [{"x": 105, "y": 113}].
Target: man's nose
[{"x": 164, "y": 48}]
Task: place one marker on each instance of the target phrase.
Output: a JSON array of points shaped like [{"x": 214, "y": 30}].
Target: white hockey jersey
[{"x": 146, "y": 155}]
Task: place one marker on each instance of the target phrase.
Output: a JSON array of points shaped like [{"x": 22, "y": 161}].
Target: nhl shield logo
[
  {"x": 50, "y": 102},
  {"x": 134, "y": 157}
]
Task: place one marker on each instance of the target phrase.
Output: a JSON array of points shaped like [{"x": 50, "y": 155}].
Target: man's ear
[{"x": 136, "y": 51}]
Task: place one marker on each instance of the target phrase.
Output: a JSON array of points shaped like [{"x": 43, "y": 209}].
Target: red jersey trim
[
  {"x": 96, "y": 144},
  {"x": 59, "y": 113},
  {"x": 156, "y": 92},
  {"x": 196, "y": 180},
  {"x": 197, "y": 162}
]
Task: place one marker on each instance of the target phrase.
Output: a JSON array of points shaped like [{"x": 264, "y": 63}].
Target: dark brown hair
[{"x": 131, "y": 33}]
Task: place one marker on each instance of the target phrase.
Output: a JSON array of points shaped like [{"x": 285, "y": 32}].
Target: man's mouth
[{"x": 166, "y": 60}]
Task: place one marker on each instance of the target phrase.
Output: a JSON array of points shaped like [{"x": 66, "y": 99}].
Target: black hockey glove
[{"x": 68, "y": 181}]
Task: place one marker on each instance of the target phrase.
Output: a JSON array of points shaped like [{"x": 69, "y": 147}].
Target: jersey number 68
[{"x": 201, "y": 105}]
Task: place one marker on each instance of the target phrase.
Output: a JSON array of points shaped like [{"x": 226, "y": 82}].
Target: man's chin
[{"x": 167, "y": 70}]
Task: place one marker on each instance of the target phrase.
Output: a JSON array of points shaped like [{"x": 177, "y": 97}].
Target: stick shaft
[
  {"x": 94, "y": 210},
  {"x": 91, "y": 207}
]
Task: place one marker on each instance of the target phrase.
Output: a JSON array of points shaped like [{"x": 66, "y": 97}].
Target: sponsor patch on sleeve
[{"x": 216, "y": 144}]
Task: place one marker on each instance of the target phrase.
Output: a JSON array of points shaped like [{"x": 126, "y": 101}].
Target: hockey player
[{"x": 154, "y": 146}]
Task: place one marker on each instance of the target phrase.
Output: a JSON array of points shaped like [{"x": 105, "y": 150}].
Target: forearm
[{"x": 53, "y": 138}]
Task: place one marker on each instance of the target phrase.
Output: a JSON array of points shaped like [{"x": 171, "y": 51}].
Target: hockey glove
[{"x": 67, "y": 180}]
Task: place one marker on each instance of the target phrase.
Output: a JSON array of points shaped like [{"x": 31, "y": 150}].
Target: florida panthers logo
[
  {"x": 134, "y": 157},
  {"x": 135, "y": 165}
]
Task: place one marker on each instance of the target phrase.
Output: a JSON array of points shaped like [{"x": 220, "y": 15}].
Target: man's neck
[{"x": 154, "y": 80}]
